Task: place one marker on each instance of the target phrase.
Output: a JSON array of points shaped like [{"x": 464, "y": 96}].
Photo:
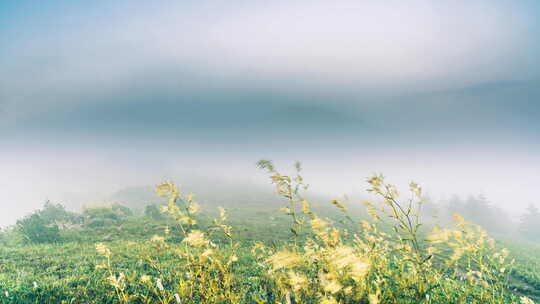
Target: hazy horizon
[{"x": 96, "y": 98}]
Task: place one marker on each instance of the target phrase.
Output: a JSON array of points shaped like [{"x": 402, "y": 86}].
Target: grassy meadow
[{"x": 289, "y": 250}]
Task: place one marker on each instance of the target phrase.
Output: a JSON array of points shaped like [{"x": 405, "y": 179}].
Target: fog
[{"x": 94, "y": 99}]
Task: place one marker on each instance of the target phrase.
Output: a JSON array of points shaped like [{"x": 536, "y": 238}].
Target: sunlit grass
[{"x": 191, "y": 258}]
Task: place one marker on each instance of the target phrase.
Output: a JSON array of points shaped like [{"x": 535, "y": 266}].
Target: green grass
[
  {"x": 72, "y": 271},
  {"x": 66, "y": 272}
]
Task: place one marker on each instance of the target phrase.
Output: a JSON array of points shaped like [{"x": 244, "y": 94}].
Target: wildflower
[
  {"x": 332, "y": 286},
  {"x": 305, "y": 207},
  {"x": 375, "y": 181},
  {"x": 159, "y": 285},
  {"x": 166, "y": 188},
  {"x": 359, "y": 269},
  {"x": 393, "y": 192},
  {"x": 222, "y": 214},
  {"x": 296, "y": 280},
  {"x": 193, "y": 208},
  {"x": 157, "y": 239},
  {"x": 162, "y": 189},
  {"x": 373, "y": 299},
  {"x": 459, "y": 219},
  {"x": 35, "y": 284},
  {"x": 257, "y": 248},
  {"x": 102, "y": 249},
  {"x": 207, "y": 253},
  {"x": 328, "y": 300},
  {"x": 318, "y": 224},
  {"x": 438, "y": 235},
  {"x": 342, "y": 257},
  {"x": 145, "y": 278},
  {"x": 458, "y": 252},
  {"x": 372, "y": 212},
  {"x": 286, "y": 210},
  {"x": 365, "y": 225},
  {"x": 284, "y": 259},
  {"x": 6, "y": 294},
  {"x": 196, "y": 238},
  {"x": 525, "y": 300},
  {"x": 339, "y": 205},
  {"x": 416, "y": 189},
  {"x": 117, "y": 281},
  {"x": 177, "y": 298}
]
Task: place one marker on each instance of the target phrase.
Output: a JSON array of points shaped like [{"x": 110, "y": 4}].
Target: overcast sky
[{"x": 97, "y": 96}]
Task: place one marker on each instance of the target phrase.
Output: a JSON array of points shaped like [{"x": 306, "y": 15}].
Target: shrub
[
  {"x": 35, "y": 229},
  {"x": 105, "y": 215},
  {"x": 152, "y": 211}
]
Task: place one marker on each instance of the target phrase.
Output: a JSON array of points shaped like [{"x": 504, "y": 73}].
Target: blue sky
[{"x": 444, "y": 93}]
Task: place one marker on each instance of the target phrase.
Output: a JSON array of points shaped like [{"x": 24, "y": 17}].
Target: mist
[{"x": 97, "y": 99}]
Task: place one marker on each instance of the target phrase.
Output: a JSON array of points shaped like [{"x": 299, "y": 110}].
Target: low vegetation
[{"x": 175, "y": 253}]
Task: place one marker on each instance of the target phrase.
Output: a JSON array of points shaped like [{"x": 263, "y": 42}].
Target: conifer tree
[{"x": 530, "y": 223}]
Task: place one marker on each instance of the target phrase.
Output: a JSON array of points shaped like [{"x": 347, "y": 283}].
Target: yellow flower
[
  {"x": 305, "y": 207},
  {"x": 193, "y": 208},
  {"x": 196, "y": 238},
  {"x": 339, "y": 205},
  {"x": 332, "y": 286},
  {"x": 439, "y": 235},
  {"x": 117, "y": 281},
  {"x": 318, "y": 224},
  {"x": 222, "y": 213},
  {"x": 525, "y": 300},
  {"x": 157, "y": 239},
  {"x": 145, "y": 278},
  {"x": 459, "y": 219},
  {"x": 296, "y": 281},
  {"x": 376, "y": 180},
  {"x": 342, "y": 257},
  {"x": 328, "y": 300},
  {"x": 373, "y": 299},
  {"x": 286, "y": 210},
  {"x": 284, "y": 259},
  {"x": 208, "y": 252},
  {"x": 372, "y": 212},
  {"x": 359, "y": 269},
  {"x": 102, "y": 249},
  {"x": 166, "y": 188}
]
